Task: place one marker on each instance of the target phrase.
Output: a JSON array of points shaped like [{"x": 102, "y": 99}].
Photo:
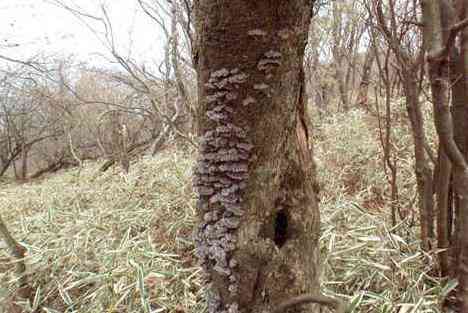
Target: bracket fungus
[{"x": 220, "y": 177}]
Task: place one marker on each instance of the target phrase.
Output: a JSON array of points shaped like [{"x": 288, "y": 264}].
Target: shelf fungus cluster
[
  {"x": 269, "y": 63},
  {"x": 220, "y": 177}
]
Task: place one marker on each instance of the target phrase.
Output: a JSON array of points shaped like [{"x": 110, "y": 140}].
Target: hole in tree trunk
[{"x": 281, "y": 228}]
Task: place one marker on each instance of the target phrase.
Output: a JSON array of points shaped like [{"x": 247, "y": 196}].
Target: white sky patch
[{"x": 32, "y": 27}]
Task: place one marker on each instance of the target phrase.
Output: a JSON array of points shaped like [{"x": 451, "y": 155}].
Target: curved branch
[{"x": 309, "y": 298}]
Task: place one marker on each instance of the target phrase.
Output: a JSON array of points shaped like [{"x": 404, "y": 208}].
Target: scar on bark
[
  {"x": 309, "y": 298},
  {"x": 302, "y": 130},
  {"x": 301, "y": 108},
  {"x": 281, "y": 228}
]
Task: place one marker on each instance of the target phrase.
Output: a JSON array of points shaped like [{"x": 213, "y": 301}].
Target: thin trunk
[
  {"x": 460, "y": 124},
  {"x": 462, "y": 199},
  {"x": 338, "y": 56},
  {"x": 422, "y": 167},
  {"x": 323, "y": 97},
  {"x": 24, "y": 162},
  {"x": 15, "y": 170},
  {"x": 319, "y": 103},
  {"x": 385, "y": 136},
  {"x": 440, "y": 84},
  {"x": 124, "y": 157},
  {"x": 318, "y": 90},
  {"x": 131, "y": 151},
  {"x": 339, "y": 77},
  {"x": 459, "y": 103},
  {"x": 119, "y": 138},
  {"x": 443, "y": 187},
  {"x": 115, "y": 136},
  {"x": 365, "y": 80}
]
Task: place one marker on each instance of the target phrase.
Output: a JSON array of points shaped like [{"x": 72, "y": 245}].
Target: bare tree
[{"x": 396, "y": 24}]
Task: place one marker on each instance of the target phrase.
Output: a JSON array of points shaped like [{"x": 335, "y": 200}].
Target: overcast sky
[{"x": 38, "y": 26}]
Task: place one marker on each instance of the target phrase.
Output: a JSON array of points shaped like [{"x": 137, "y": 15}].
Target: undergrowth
[
  {"x": 377, "y": 267},
  {"x": 107, "y": 242}
]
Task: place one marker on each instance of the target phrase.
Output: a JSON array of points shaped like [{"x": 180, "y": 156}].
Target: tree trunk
[
  {"x": 462, "y": 200},
  {"x": 257, "y": 239},
  {"x": 443, "y": 190},
  {"x": 337, "y": 34},
  {"x": 24, "y": 162},
  {"x": 124, "y": 157},
  {"x": 343, "y": 92},
  {"x": 322, "y": 97},
  {"x": 365, "y": 80},
  {"x": 459, "y": 131},
  {"x": 422, "y": 168},
  {"x": 464, "y": 62},
  {"x": 459, "y": 97},
  {"x": 437, "y": 59},
  {"x": 119, "y": 141}
]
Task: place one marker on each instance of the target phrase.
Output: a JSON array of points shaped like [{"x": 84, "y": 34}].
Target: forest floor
[{"x": 107, "y": 242}]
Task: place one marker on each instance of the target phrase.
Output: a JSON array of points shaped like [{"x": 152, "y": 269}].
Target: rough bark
[{"x": 257, "y": 239}]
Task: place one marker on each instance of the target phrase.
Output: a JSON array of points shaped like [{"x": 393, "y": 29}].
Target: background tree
[
  {"x": 396, "y": 24},
  {"x": 441, "y": 28}
]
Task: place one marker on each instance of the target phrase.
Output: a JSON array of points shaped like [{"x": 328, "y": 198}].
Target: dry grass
[
  {"x": 377, "y": 267},
  {"x": 113, "y": 243},
  {"x": 108, "y": 243}
]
